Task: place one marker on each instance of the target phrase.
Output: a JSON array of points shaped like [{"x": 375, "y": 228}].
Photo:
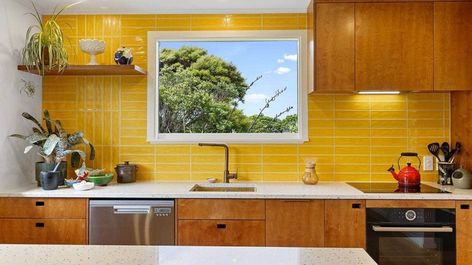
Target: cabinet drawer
[
  {"x": 44, "y": 208},
  {"x": 221, "y": 233},
  {"x": 43, "y": 231},
  {"x": 221, "y": 209}
]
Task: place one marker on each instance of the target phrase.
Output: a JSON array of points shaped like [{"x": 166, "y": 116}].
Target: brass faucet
[{"x": 226, "y": 174}]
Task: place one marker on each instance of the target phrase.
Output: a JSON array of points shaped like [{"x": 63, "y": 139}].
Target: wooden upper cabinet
[
  {"x": 345, "y": 223},
  {"x": 334, "y": 47},
  {"x": 453, "y": 46},
  {"x": 464, "y": 232},
  {"x": 295, "y": 223},
  {"x": 394, "y": 48}
]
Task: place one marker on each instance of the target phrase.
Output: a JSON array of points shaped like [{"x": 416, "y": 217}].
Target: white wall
[{"x": 16, "y": 169}]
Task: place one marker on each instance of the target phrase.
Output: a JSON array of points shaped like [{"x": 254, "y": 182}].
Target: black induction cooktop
[{"x": 392, "y": 187}]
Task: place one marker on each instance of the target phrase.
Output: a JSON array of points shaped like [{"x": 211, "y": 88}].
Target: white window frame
[{"x": 153, "y": 135}]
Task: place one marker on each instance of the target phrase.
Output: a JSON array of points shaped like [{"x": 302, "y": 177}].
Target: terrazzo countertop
[
  {"x": 264, "y": 190},
  {"x": 148, "y": 255}
]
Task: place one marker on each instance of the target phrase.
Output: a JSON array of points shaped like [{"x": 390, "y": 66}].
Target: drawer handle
[
  {"x": 39, "y": 203},
  {"x": 356, "y": 206},
  {"x": 39, "y": 224},
  {"x": 221, "y": 226},
  {"x": 465, "y": 207}
]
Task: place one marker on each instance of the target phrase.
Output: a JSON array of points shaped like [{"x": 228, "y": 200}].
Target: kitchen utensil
[
  {"x": 407, "y": 176},
  {"x": 445, "y": 148},
  {"x": 454, "y": 153},
  {"x": 50, "y": 179},
  {"x": 83, "y": 185},
  {"x": 100, "y": 180},
  {"x": 434, "y": 150},
  {"x": 462, "y": 179},
  {"x": 126, "y": 173}
]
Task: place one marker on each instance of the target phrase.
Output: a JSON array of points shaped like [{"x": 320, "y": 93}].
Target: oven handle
[{"x": 442, "y": 229}]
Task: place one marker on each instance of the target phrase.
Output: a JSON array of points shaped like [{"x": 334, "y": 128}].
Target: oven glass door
[{"x": 411, "y": 248}]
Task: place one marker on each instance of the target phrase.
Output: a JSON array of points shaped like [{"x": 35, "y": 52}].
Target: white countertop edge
[{"x": 265, "y": 190}]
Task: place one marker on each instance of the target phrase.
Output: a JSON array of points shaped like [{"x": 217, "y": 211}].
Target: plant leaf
[
  {"x": 75, "y": 160},
  {"x": 60, "y": 130},
  {"x": 35, "y": 121},
  {"x": 18, "y": 136},
  {"x": 47, "y": 119},
  {"x": 28, "y": 148},
  {"x": 50, "y": 144},
  {"x": 92, "y": 152}
]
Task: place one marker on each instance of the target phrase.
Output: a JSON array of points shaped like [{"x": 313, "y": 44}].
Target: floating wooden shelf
[{"x": 78, "y": 70}]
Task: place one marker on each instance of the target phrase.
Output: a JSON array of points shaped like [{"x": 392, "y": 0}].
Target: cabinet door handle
[
  {"x": 221, "y": 226},
  {"x": 39, "y": 225},
  {"x": 39, "y": 203},
  {"x": 356, "y": 206},
  {"x": 465, "y": 206}
]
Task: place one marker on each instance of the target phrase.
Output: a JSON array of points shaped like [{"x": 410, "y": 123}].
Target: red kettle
[{"x": 407, "y": 176}]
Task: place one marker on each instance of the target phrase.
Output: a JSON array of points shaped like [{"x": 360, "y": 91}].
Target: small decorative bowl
[
  {"x": 100, "y": 180},
  {"x": 92, "y": 47},
  {"x": 83, "y": 185}
]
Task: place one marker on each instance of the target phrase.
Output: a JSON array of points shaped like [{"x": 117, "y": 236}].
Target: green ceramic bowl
[{"x": 100, "y": 180}]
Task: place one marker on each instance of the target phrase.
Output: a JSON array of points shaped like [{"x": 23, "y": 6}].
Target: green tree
[{"x": 200, "y": 93}]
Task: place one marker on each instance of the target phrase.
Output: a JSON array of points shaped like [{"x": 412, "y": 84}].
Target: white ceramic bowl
[
  {"x": 92, "y": 47},
  {"x": 83, "y": 185}
]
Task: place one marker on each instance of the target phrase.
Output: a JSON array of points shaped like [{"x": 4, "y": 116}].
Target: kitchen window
[{"x": 227, "y": 86}]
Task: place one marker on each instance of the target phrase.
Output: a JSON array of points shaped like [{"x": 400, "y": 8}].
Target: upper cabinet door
[
  {"x": 394, "y": 48},
  {"x": 453, "y": 46},
  {"x": 334, "y": 47}
]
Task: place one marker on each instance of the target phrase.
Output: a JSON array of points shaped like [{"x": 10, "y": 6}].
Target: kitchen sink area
[{"x": 224, "y": 187}]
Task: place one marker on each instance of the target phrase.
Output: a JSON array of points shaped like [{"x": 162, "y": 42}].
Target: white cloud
[
  {"x": 291, "y": 57},
  {"x": 280, "y": 60},
  {"x": 255, "y": 98},
  {"x": 282, "y": 70}
]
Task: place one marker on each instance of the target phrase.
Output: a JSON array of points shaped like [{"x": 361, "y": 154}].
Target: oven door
[{"x": 403, "y": 245}]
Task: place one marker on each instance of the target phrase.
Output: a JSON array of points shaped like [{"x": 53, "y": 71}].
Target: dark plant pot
[
  {"x": 43, "y": 166},
  {"x": 50, "y": 180}
]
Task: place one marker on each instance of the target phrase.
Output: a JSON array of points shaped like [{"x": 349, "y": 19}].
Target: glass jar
[{"x": 310, "y": 177}]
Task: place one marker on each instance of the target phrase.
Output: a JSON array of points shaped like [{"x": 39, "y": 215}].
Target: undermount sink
[{"x": 223, "y": 188}]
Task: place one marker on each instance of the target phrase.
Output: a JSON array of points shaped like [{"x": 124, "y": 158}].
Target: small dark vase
[
  {"x": 50, "y": 179},
  {"x": 121, "y": 57},
  {"x": 43, "y": 166}
]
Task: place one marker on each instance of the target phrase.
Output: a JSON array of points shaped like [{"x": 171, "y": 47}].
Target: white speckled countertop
[
  {"x": 148, "y": 255},
  {"x": 264, "y": 190}
]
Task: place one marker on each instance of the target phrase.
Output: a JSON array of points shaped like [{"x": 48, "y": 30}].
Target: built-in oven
[{"x": 419, "y": 236}]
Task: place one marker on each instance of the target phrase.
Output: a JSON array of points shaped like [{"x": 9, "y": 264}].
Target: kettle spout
[{"x": 392, "y": 171}]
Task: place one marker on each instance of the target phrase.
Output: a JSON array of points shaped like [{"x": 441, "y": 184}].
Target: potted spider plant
[
  {"x": 54, "y": 144},
  {"x": 44, "y": 46}
]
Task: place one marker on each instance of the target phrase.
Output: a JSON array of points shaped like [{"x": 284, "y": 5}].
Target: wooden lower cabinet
[
  {"x": 345, "y": 223},
  {"x": 295, "y": 223},
  {"x": 43, "y": 231},
  {"x": 221, "y": 233},
  {"x": 464, "y": 232}
]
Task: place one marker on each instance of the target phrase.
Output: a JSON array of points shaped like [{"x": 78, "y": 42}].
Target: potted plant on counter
[
  {"x": 45, "y": 43},
  {"x": 54, "y": 144}
]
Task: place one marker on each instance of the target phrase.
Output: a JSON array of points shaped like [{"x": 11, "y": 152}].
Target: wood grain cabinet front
[
  {"x": 453, "y": 46},
  {"x": 221, "y": 233},
  {"x": 345, "y": 223},
  {"x": 464, "y": 232},
  {"x": 43, "y": 221},
  {"x": 295, "y": 223}
]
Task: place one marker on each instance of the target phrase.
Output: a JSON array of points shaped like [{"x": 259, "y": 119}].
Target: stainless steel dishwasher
[{"x": 131, "y": 222}]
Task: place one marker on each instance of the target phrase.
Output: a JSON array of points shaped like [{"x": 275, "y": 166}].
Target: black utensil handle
[{"x": 409, "y": 154}]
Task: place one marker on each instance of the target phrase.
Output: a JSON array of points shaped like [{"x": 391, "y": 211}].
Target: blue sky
[{"x": 276, "y": 61}]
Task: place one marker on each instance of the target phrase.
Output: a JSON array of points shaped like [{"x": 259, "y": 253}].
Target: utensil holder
[{"x": 445, "y": 170}]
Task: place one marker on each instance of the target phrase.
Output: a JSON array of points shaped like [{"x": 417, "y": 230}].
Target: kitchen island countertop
[
  {"x": 264, "y": 190},
  {"x": 172, "y": 255}
]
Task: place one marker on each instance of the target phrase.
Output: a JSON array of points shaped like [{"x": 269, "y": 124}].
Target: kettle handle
[{"x": 409, "y": 154}]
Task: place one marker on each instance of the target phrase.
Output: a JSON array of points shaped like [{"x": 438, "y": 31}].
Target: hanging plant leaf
[{"x": 75, "y": 160}]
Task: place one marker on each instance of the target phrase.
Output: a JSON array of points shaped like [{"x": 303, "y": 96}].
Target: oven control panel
[{"x": 410, "y": 215}]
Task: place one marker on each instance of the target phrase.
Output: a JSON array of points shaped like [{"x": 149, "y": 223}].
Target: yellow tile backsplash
[{"x": 352, "y": 137}]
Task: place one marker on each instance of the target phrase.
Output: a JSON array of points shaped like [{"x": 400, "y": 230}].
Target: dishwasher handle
[
  {"x": 131, "y": 209},
  {"x": 442, "y": 229}
]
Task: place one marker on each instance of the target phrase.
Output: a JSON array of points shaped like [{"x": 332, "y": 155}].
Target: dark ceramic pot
[
  {"x": 43, "y": 166},
  {"x": 50, "y": 179}
]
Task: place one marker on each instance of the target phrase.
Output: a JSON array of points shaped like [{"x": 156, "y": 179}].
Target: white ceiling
[{"x": 172, "y": 6}]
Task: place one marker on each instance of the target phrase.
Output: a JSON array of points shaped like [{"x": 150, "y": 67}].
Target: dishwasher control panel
[{"x": 163, "y": 211}]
